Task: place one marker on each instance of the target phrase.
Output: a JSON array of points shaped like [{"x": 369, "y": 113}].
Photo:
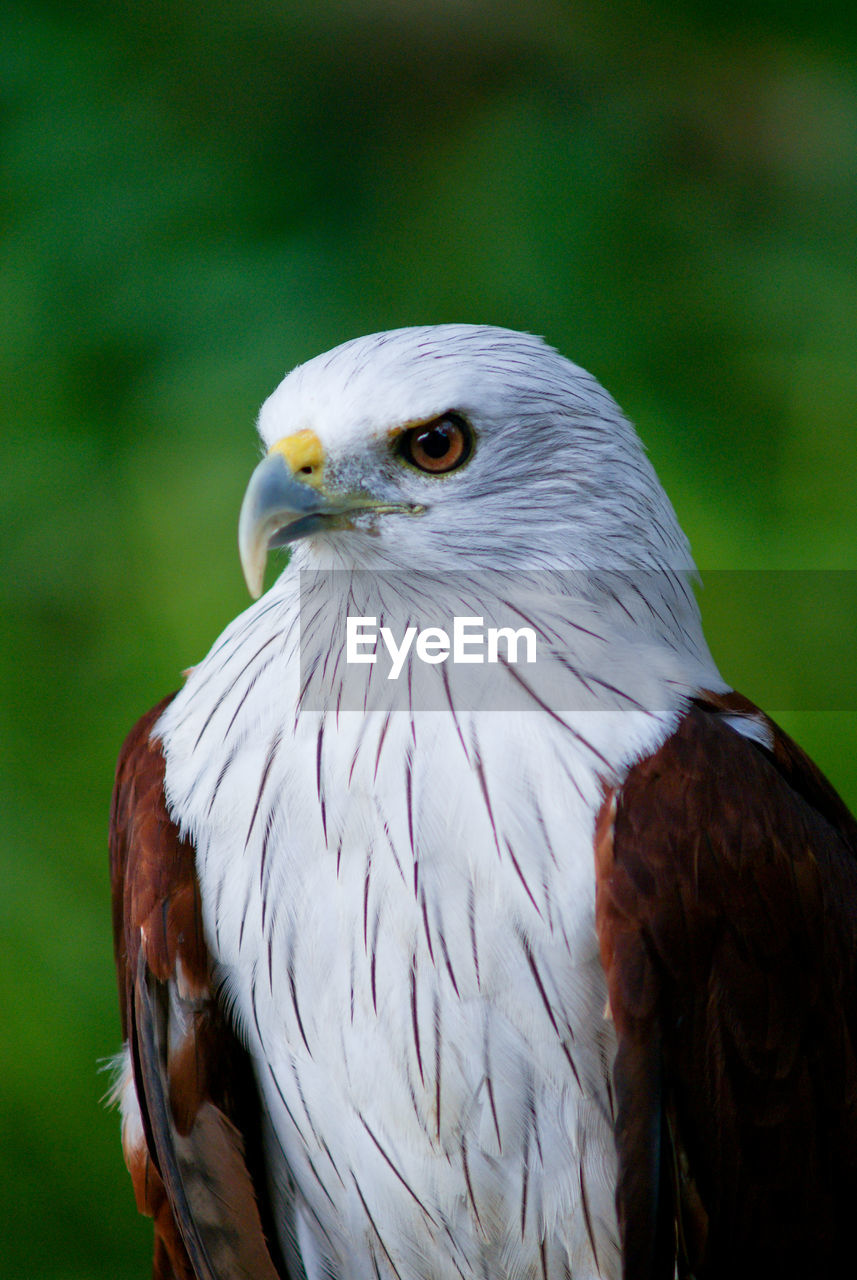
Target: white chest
[
  {"x": 402, "y": 906},
  {"x": 408, "y": 934}
]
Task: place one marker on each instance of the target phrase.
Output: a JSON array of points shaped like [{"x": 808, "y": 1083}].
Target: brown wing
[
  {"x": 727, "y": 917},
  {"x": 196, "y": 1167}
]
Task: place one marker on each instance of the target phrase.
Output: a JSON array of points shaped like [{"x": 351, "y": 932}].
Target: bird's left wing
[
  {"x": 727, "y": 916},
  {"x": 191, "y": 1138}
]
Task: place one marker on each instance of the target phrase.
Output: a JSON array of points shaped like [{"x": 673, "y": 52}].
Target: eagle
[{"x": 538, "y": 968}]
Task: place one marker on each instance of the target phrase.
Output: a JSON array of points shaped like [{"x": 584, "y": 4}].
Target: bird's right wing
[{"x": 191, "y": 1131}]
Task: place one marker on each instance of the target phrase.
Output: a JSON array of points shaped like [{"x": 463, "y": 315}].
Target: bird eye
[{"x": 439, "y": 446}]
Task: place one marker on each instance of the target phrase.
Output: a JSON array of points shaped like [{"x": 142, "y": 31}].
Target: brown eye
[{"x": 438, "y": 446}]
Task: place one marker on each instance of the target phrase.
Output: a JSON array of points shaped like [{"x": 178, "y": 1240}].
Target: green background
[{"x": 193, "y": 199}]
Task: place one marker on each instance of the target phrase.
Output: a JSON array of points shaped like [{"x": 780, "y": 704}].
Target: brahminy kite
[{"x": 444, "y": 962}]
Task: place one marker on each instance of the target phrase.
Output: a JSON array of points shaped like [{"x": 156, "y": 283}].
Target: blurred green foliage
[{"x": 193, "y": 199}]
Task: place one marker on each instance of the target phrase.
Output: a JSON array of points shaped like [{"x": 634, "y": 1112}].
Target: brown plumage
[
  {"x": 727, "y": 916},
  {"x": 197, "y": 1171}
]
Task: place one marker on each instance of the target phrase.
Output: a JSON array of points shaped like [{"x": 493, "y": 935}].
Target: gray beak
[{"x": 277, "y": 509}]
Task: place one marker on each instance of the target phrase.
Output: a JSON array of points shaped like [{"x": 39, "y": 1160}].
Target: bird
[{"x": 438, "y": 963}]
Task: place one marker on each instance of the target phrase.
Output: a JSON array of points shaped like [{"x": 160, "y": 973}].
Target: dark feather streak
[
  {"x": 438, "y": 1057},
  {"x": 272, "y": 752},
  {"x": 374, "y": 1227},
  {"x": 415, "y": 1018},
  {"x": 520, "y": 874},
  {"x": 537, "y": 978},
  {"x": 293, "y": 991},
  {"x": 226, "y": 692},
  {"x": 468, "y": 1184},
  {"x": 426, "y": 929},
  {"x": 584, "y": 1201},
  {"x": 471, "y": 919},
  {"x": 396, "y": 1170},
  {"x": 448, "y": 962}
]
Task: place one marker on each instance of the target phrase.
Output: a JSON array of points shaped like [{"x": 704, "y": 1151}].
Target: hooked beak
[{"x": 286, "y": 500}]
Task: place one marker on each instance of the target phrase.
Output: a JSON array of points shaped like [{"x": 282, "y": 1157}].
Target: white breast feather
[{"x": 408, "y": 938}]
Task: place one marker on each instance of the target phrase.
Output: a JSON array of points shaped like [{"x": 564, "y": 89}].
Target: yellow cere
[{"x": 304, "y": 453}]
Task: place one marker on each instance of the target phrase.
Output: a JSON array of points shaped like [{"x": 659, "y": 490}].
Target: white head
[{"x": 536, "y": 467}]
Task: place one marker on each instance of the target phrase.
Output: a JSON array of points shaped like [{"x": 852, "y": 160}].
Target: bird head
[{"x": 452, "y": 447}]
